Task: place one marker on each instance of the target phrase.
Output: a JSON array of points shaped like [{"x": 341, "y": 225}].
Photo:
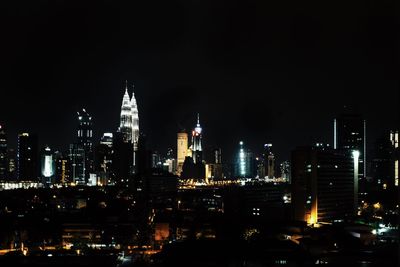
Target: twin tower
[{"x": 129, "y": 120}]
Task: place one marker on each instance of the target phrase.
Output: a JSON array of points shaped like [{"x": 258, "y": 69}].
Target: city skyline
[
  {"x": 275, "y": 79},
  {"x": 161, "y": 144}
]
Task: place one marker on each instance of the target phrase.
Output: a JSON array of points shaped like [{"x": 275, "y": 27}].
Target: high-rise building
[
  {"x": 27, "y": 157},
  {"x": 62, "y": 168},
  {"x": 3, "y": 154},
  {"x": 324, "y": 184},
  {"x": 270, "y": 161},
  {"x": 135, "y": 122},
  {"x": 285, "y": 171},
  {"x": 182, "y": 149},
  {"x": 382, "y": 164},
  {"x": 129, "y": 122},
  {"x": 245, "y": 163},
  {"x": 125, "y": 126},
  {"x": 394, "y": 138},
  {"x": 350, "y": 135},
  {"x": 197, "y": 148},
  {"x": 122, "y": 160},
  {"x": 85, "y": 139},
  {"x": 12, "y": 164},
  {"x": 47, "y": 166},
  {"x": 77, "y": 160}
]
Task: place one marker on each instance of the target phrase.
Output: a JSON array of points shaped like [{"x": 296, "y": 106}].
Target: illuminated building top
[
  {"x": 129, "y": 119},
  {"x": 197, "y": 149}
]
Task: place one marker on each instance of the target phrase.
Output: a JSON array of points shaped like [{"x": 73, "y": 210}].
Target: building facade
[
  {"x": 197, "y": 147},
  {"x": 27, "y": 157},
  {"x": 3, "y": 154},
  {"x": 350, "y": 134},
  {"x": 324, "y": 184},
  {"x": 182, "y": 149}
]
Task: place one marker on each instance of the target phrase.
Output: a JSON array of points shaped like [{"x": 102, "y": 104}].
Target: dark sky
[{"x": 261, "y": 71}]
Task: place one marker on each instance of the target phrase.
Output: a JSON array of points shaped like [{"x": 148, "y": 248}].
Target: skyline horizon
[{"x": 256, "y": 148}]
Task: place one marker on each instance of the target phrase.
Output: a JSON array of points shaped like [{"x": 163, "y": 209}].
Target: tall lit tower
[
  {"x": 125, "y": 125},
  {"x": 135, "y": 122},
  {"x": 182, "y": 149},
  {"x": 197, "y": 136}
]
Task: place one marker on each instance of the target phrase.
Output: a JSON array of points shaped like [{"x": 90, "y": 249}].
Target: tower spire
[{"x": 198, "y": 119}]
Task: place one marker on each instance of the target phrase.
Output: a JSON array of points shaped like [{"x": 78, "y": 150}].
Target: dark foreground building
[{"x": 323, "y": 185}]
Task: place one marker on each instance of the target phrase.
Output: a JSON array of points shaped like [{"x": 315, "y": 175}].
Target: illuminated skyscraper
[
  {"x": 182, "y": 149},
  {"x": 129, "y": 121},
  {"x": 197, "y": 149},
  {"x": 47, "y": 166},
  {"x": 27, "y": 157},
  {"x": 125, "y": 126},
  {"x": 135, "y": 122},
  {"x": 3, "y": 154},
  {"x": 245, "y": 166}
]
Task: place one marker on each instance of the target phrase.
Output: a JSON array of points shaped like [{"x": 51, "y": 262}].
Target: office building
[
  {"x": 3, "y": 155},
  {"x": 85, "y": 140},
  {"x": 350, "y": 134},
  {"x": 182, "y": 149},
  {"x": 27, "y": 157},
  {"x": 245, "y": 164},
  {"x": 394, "y": 139},
  {"x": 77, "y": 160},
  {"x": 324, "y": 184}
]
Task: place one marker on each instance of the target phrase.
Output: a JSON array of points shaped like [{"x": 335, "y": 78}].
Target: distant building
[
  {"x": 3, "y": 155},
  {"x": 197, "y": 148},
  {"x": 285, "y": 171},
  {"x": 12, "y": 164},
  {"x": 270, "y": 161},
  {"x": 129, "y": 122},
  {"x": 62, "y": 168},
  {"x": 324, "y": 184},
  {"x": 85, "y": 140},
  {"x": 382, "y": 164},
  {"x": 77, "y": 160},
  {"x": 27, "y": 157},
  {"x": 47, "y": 166},
  {"x": 156, "y": 161},
  {"x": 350, "y": 135},
  {"x": 244, "y": 163},
  {"x": 122, "y": 160},
  {"x": 182, "y": 149},
  {"x": 104, "y": 159},
  {"x": 394, "y": 138},
  {"x": 214, "y": 170}
]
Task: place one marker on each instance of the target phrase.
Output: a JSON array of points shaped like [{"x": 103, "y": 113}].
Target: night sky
[{"x": 258, "y": 71}]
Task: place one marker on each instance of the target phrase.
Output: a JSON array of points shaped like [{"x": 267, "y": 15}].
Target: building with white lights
[
  {"x": 129, "y": 121},
  {"x": 47, "y": 166},
  {"x": 197, "y": 136}
]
